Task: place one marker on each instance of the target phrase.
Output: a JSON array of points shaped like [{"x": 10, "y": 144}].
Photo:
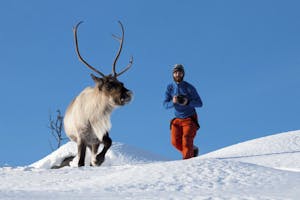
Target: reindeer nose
[{"x": 126, "y": 96}]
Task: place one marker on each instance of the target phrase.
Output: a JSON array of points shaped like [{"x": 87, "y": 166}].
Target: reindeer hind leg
[{"x": 94, "y": 151}]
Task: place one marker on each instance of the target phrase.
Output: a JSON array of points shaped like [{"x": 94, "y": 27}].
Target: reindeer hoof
[
  {"x": 100, "y": 160},
  {"x": 96, "y": 163},
  {"x": 81, "y": 164}
]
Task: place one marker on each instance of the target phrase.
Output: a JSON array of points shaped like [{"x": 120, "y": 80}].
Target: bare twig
[{"x": 56, "y": 127}]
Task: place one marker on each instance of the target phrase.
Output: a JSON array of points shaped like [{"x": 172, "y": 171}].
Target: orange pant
[{"x": 183, "y": 132}]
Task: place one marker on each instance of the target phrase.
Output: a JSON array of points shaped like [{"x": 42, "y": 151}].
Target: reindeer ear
[{"x": 97, "y": 79}]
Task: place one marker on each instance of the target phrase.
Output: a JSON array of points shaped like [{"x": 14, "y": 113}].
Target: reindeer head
[
  {"x": 109, "y": 85},
  {"x": 113, "y": 89}
]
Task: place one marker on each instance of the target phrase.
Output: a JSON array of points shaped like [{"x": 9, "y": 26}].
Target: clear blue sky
[{"x": 242, "y": 56}]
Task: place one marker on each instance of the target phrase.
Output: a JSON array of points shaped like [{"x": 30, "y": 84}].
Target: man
[{"x": 183, "y": 97}]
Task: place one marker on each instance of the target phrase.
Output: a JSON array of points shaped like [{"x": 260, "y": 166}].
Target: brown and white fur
[{"x": 87, "y": 119}]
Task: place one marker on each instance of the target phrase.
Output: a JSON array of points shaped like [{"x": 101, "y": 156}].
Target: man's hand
[
  {"x": 175, "y": 99},
  {"x": 184, "y": 102}
]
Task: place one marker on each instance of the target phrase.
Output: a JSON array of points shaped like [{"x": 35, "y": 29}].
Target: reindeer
[{"x": 87, "y": 119}]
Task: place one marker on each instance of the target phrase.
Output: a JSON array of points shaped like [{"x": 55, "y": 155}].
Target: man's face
[{"x": 178, "y": 76}]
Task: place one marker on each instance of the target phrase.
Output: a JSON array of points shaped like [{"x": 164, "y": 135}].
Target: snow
[
  {"x": 118, "y": 154},
  {"x": 281, "y": 151},
  {"x": 264, "y": 168}
]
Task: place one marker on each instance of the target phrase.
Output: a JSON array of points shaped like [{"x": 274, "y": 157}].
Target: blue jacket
[{"x": 182, "y": 88}]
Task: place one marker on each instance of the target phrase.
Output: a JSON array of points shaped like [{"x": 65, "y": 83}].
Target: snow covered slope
[
  {"x": 281, "y": 151},
  {"x": 249, "y": 170}
]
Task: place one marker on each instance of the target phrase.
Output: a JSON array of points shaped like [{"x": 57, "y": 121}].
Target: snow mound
[
  {"x": 249, "y": 170},
  {"x": 280, "y": 151},
  {"x": 118, "y": 154}
]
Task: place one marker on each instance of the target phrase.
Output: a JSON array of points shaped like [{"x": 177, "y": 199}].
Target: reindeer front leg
[
  {"x": 81, "y": 153},
  {"x": 107, "y": 144}
]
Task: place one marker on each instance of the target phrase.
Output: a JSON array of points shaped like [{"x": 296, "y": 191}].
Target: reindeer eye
[{"x": 109, "y": 86}]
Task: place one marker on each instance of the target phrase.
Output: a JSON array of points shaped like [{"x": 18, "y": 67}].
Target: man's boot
[{"x": 196, "y": 151}]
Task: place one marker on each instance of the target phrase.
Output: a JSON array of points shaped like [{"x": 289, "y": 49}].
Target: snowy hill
[
  {"x": 249, "y": 170},
  {"x": 281, "y": 151}
]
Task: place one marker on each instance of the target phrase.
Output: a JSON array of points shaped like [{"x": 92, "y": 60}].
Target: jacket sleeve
[
  {"x": 195, "y": 100},
  {"x": 168, "y": 103}
]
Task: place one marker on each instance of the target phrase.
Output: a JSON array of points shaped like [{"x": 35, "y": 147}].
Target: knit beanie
[{"x": 178, "y": 67}]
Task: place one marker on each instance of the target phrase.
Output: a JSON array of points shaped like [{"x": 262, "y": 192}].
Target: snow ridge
[{"x": 280, "y": 151}]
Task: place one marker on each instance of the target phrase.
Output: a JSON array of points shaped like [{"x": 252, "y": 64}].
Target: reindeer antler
[
  {"x": 120, "y": 40},
  {"x": 114, "y": 73},
  {"x": 78, "y": 53}
]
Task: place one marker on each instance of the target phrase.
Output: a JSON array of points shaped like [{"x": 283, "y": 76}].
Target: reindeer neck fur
[{"x": 100, "y": 107}]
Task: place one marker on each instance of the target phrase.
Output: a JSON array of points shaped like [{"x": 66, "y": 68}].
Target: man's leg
[
  {"x": 176, "y": 135},
  {"x": 189, "y": 133}
]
